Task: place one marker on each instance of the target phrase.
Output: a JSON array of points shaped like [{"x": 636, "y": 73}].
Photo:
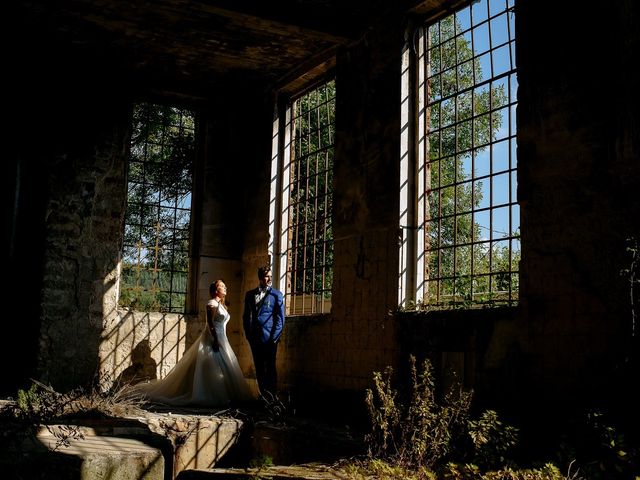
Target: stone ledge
[
  {"x": 290, "y": 472},
  {"x": 88, "y": 456},
  {"x": 190, "y": 442},
  {"x": 149, "y": 443}
]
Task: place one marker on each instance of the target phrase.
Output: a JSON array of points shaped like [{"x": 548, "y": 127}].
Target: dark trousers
[{"x": 264, "y": 359}]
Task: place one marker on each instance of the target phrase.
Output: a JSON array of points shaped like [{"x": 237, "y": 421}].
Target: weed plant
[
  {"x": 41, "y": 406},
  {"x": 415, "y": 435}
]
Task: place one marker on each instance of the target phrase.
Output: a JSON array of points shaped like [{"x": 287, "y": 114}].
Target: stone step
[
  {"x": 147, "y": 446},
  {"x": 289, "y": 472},
  {"x": 177, "y": 444},
  {"x": 60, "y": 451}
]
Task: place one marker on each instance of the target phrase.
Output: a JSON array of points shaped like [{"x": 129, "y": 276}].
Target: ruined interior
[{"x": 76, "y": 68}]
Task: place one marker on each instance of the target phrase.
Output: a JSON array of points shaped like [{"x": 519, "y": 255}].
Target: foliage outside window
[
  {"x": 307, "y": 217},
  {"x": 155, "y": 256},
  {"x": 469, "y": 217}
]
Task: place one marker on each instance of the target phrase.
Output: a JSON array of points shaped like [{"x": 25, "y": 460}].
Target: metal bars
[
  {"x": 155, "y": 255},
  {"x": 468, "y": 133},
  {"x": 307, "y": 217}
]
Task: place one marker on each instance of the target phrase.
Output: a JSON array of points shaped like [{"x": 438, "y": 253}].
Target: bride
[{"x": 208, "y": 374}]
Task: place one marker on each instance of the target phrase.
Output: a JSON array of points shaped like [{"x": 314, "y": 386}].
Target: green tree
[
  {"x": 156, "y": 237},
  {"x": 463, "y": 116},
  {"x": 312, "y": 191}
]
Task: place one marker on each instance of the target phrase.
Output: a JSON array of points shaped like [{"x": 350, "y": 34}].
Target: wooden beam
[
  {"x": 307, "y": 73},
  {"x": 273, "y": 26}
]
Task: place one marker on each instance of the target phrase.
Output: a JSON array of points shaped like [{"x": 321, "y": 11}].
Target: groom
[{"x": 263, "y": 320}]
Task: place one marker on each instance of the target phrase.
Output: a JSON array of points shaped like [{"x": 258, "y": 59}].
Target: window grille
[
  {"x": 469, "y": 252},
  {"x": 155, "y": 256},
  {"x": 308, "y": 181}
]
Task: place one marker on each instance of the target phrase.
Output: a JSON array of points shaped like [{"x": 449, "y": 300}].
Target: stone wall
[
  {"x": 576, "y": 147},
  {"x": 326, "y": 361},
  {"x": 577, "y": 189},
  {"x": 577, "y": 153},
  {"x": 83, "y": 221},
  {"x": 569, "y": 341}
]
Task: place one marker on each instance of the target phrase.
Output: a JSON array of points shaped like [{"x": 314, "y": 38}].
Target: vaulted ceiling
[{"x": 200, "y": 40}]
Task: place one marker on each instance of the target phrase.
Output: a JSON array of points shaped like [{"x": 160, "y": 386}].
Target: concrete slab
[
  {"x": 85, "y": 456},
  {"x": 143, "y": 445},
  {"x": 197, "y": 440}
]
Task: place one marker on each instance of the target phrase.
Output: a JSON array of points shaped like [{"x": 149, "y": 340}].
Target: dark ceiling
[{"x": 253, "y": 40}]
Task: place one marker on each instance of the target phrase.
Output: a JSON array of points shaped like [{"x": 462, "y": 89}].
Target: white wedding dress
[{"x": 202, "y": 377}]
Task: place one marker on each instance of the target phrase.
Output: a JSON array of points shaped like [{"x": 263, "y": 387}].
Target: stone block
[{"x": 85, "y": 457}]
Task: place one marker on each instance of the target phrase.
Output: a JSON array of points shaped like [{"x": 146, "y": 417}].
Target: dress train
[{"x": 203, "y": 376}]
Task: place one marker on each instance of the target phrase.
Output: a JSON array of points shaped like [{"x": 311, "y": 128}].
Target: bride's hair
[{"x": 213, "y": 287}]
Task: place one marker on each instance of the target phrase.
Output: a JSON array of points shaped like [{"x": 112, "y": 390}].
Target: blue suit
[{"x": 263, "y": 323}]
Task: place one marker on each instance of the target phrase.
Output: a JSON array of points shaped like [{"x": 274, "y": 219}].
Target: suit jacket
[{"x": 264, "y": 322}]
